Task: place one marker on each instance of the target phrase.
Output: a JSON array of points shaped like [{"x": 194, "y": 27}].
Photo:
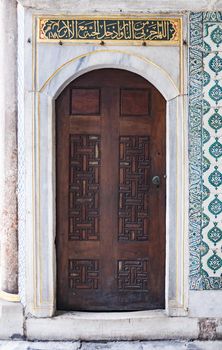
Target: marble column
[{"x": 8, "y": 149}]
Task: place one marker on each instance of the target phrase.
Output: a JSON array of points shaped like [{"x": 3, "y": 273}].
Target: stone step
[
  {"x": 114, "y": 326},
  {"x": 137, "y": 345}
]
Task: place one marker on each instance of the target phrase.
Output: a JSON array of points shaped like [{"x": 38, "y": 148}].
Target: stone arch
[{"x": 110, "y": 59}]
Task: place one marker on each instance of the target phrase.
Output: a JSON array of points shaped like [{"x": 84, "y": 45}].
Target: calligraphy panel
[
  {"x": 84, "y": 187},
  {"x": 109, "y": 29}
]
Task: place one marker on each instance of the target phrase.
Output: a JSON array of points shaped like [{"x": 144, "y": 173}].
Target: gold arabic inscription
[{"x": 91, "y": 30}]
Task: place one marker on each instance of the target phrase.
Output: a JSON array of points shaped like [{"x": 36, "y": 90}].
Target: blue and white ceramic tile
[
  {"x": 213, "y": 35},
  {"x": 206, "y": 126}
]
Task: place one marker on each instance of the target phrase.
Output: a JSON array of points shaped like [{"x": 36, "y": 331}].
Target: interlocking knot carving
[
  {"x": 83, "y": 274},
  {"x": 133, "y": 188},
  {"x": 132, "y": 275},
  {"x": 84, "y": 184}
]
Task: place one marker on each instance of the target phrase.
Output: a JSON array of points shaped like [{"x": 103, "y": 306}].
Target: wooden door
[{"x": 110, "y": 208}]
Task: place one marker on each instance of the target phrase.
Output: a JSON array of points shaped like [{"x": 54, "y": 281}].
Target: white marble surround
[
  {"x": 47, "y": 69},
  {"x": 134, "y": 6}
]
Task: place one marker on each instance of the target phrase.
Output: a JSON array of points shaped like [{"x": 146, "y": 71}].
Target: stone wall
[
  {"x": 205, "y": 150},
  {"x": 8, "y": 149},
  {"x": 127, "y": 6}
]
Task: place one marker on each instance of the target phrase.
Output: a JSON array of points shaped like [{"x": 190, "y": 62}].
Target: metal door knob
[{"x": 156, "y": 180}]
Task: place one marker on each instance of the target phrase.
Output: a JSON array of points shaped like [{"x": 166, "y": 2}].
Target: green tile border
[{"x": 198, "y": 279}]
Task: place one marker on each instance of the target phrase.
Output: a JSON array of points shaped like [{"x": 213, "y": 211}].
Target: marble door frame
[{"x": 37, "y": 94}]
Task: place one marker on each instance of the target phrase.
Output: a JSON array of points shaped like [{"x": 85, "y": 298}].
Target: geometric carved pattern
[
  {"x": 132, "y": 275},
  {"x": 83, "y": 274},
  {"x": 84, "y": 187},
  {"x": 133, "y": 188}
]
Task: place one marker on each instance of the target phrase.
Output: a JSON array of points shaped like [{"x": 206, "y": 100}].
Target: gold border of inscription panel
[{"x": 101, "y": 30}]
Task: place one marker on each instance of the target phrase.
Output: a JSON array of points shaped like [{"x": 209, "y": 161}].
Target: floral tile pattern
[{"x": 205, "y": 150}]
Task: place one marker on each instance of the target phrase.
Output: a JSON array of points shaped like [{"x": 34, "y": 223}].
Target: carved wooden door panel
[{"x": 110, "y": 193}]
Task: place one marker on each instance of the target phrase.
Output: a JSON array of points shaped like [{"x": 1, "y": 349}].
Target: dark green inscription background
[{"x": 110, "y": 29}]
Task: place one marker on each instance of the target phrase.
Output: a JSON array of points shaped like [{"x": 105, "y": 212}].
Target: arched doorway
[{"x": 110, "y": 140}]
